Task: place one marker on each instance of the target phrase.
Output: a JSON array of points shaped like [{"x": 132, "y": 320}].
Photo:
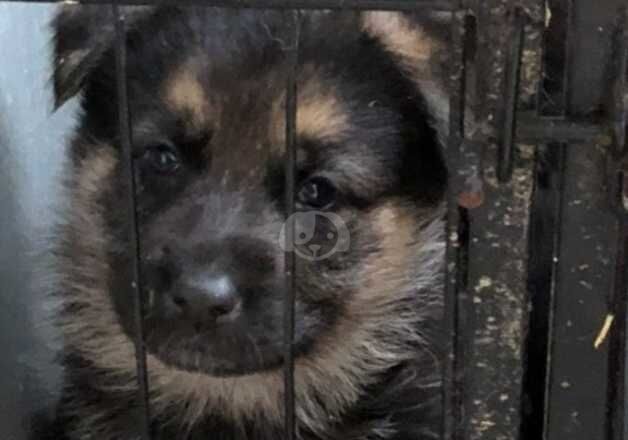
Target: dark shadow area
[{"x": 15, "y": 383}]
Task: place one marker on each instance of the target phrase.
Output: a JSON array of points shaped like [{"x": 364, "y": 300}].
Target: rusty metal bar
[{"x": 455, "y": 252}]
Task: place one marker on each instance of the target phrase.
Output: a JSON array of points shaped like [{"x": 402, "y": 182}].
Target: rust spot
[
  {"x": 471, "y": 199},
  {"x": 473, "y": 196}
]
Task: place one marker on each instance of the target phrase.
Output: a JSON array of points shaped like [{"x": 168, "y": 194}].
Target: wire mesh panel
[{"x": 536, "y": 220}]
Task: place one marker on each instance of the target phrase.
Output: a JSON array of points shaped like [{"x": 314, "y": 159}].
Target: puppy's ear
[
  {"x": 82, "y": 34},
  {"x": 404, "y": 37},
  {"x": 418, "y": 45}
]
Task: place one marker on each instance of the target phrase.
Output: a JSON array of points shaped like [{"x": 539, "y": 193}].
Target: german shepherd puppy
[{"x": 206, "y": 91}]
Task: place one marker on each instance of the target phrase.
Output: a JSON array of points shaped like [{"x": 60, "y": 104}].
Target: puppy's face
[{"x": 207, "y": 99}]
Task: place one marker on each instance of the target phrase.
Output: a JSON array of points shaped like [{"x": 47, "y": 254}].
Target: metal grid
[{"x": 561, "y": 126}]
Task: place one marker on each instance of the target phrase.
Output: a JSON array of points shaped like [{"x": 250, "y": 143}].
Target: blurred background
[{"x": 31, "y": 156}]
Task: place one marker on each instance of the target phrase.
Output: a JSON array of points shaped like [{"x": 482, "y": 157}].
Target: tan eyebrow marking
[
  {"x": 320, "y": 114},
  {"x": 185, "y": 94}
]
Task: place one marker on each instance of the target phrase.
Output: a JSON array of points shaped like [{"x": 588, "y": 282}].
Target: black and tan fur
[{"x": 211, "y": 82}]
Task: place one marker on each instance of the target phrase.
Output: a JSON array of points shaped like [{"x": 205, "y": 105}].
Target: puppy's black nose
[{"x": 206, "y": 297}]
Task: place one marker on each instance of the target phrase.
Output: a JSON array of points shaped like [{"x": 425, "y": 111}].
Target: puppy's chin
[{"x": 219, "y": 350}]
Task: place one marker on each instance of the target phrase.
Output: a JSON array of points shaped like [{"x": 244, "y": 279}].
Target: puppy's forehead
[
  {"x": 248, "y": 121},
  {"x": 239, "y": 96},
  {"x": 322, "y": 116}
]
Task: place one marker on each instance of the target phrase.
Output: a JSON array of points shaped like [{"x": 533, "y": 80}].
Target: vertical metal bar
[
  {"x": 552, "y": 96},
  {"x": 489, "y": 320},
  {"x": 134, "y": 284},
  {"x": 617, "y": 350},
  {"x": 545, "y": 228},
  {"x": 290, "y": 256},
  {"x": 619, "y": 113},
  {"x": 456, "y": 230},
  {"x": 505, "y": 153},
  {"x": 578, "y": 392},
  {"x": 621, "y": 420},
  {"x": 544, "y": 238},
  {"x": 616, "y": 400}
]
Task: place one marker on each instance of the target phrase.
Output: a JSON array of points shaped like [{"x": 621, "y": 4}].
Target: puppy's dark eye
[
  {"x": 163, "y": 158},
  {"x": 317, "y": 192}
]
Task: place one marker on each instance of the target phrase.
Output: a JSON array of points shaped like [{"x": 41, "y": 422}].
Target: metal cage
[{"x": 537, "y": 220}]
